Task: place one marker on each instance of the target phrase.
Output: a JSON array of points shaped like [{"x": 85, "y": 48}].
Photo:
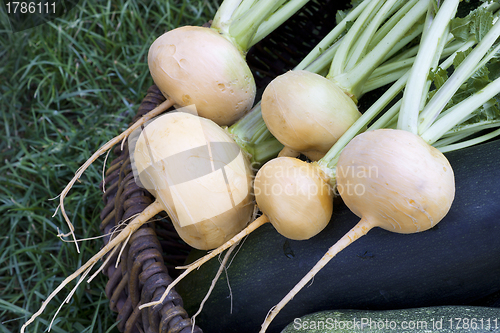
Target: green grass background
[{"x": 67, "y": 87}]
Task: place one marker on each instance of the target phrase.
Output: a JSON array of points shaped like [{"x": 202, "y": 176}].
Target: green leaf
[
  {"x": 438, "y": 77},
  {"x": 475, "y": 25},
  {"x": 461, "y": 57}
]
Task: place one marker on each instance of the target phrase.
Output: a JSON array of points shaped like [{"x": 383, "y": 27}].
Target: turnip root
[
  {"x": 150, "y": 115},
  {"x": 196, "y": 65},
  {"x": 197, "y": 174},
  {"x": 283, "y": 185},
  {"x": 297, "y": 101},
  {"x": 308, "y": 113},
  {"x": 394, "y": 180}
]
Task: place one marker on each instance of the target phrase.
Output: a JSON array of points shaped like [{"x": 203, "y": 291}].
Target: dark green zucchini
[
  {"x": 455, "y": 263},
  {"x": 439, "y": 319}
]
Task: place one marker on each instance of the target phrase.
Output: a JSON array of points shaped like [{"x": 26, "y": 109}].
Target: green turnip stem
[
  {"x": 457, "y": 113},
  {"x": 467, "y": 130},
  {"x": 322, "y": 61},
  {"x": 223, "y": 17},
  {"x": 245, "y": 232},
  {"x": 331, "y": 37},
  {"x": 243, "y": 29},
  {"x": 450, "y": 140},
  {"x": 394, "y": 18},
  {"x": 146, "y": 215},
  {"x": 382, "y": 80},
  {"x": 360, "y": 46},
  {"x": 449, "y": 62},
  {"x": 393, "y": 123},
  {"x": 411, "y": 35},
  {"x": 453, "y": 140},
  {"x": 276, "y": 19},
  {"x": 353, "y": 80},
  {"x": 434, "y": 66},
  {"x": 242, "y": 8},
  {"x": 151, "y": 114},
  {"x": 264, "y": 151},
  {"x": 331, "y": 157},
  {"x": 387, "y": 118},
  {"x": 253, "y": 137},
  {"x": 246, "y": 127},
  {"x": 459, "y": 48},
  {"x": 471, "y": 142},
  {"x": 338, "y": 64},
  {"x": 391, "y": 71},
  {"x": 408, "y": 53},
  {"x": 459, "y": 76},
  {"x": 355, "y": 233},
  {"x": 410, "y": 108}
]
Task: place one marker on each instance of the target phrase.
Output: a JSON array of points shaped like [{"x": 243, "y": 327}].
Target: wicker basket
[{"x": 146, "y": 267}]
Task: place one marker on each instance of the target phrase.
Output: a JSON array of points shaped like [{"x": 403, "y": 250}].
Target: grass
[{"x": 67, "y": 87}]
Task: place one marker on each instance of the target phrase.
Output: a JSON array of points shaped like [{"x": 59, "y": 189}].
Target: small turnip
[{"x": 197, "y": 65}]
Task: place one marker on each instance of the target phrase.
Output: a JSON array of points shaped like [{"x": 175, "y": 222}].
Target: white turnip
[
  {"x": 298, "y": 101},
  {"x": 196, "y": 65}
]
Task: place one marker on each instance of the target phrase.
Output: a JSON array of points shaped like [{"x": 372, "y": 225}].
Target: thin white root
[
  {"x": 104, "y": 171},
  {"x": 251, "y": 227},
  {"x": 121, "y": 250},
  {"x": 103, "y": 265},
  {"x": 356, "y": 232},
  {"x": 148, "y": 213},
  {"x": 68, "y": 298},
  {"x": 229, "y": 285},
  {"x": 151, "y": 114},
  {"x": 214, "y": 281},
  {"x": 110, "y": 233},
  {"x": 114, "y": 230}
]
